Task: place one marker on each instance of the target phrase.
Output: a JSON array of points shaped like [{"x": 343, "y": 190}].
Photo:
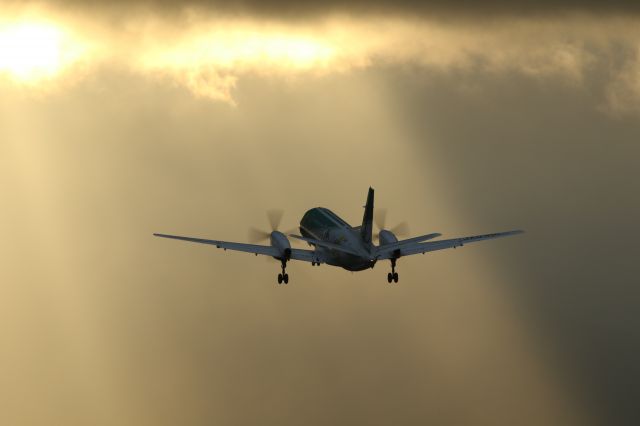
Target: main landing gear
[
  {"x": 393, "y": 275},
  {"x": 283, "y": 277}
]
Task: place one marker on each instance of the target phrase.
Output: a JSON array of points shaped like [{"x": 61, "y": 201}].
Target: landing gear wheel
[
  {"x": 393, "y": 275},
  {"x": 283, "y": 276}
]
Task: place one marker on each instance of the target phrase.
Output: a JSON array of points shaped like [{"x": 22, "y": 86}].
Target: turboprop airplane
[{"x": 337, "y": 243}]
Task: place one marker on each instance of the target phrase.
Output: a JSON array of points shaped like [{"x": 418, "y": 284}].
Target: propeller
[
  {"x": 274, "y": 217},
  {"x": 380, "y": 219}
]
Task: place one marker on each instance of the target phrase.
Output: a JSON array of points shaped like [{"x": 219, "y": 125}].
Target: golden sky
[
  {"x": 123, "y": 120},
  {"x": 207, "y": 51}
]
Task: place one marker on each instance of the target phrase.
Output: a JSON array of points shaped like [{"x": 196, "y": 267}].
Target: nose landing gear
[
  {"x": 283, "y": 277},
  {"x": 393, "y": 275}
]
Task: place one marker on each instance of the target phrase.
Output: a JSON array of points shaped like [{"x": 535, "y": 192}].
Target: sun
[{"x": 34, "y": 51}]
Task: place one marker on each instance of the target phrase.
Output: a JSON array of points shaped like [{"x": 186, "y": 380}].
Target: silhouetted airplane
[{"x": 337, "y": 243}]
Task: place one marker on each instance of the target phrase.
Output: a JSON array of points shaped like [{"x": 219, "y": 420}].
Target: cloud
[
  {"x": 295, "y": 9},
  {"x": 209, "y": 53},
  {"x": 623, "y": 91}
]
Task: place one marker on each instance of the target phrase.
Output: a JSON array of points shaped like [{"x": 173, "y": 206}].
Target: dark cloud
[{"x": 286, "y": 8}]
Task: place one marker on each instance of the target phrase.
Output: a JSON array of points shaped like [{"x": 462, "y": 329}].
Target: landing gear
[
  {"x": 283, "y": 277},
  {"x": 393, "y": 275}
]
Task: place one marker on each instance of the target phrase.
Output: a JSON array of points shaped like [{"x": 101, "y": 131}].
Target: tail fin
[{"x": 366, "y": 230}]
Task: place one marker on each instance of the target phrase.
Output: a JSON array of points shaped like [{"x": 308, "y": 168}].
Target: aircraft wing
[
  {"x": 386, "y": 249},
  {"x": 307, "y": 255},
  {"x": 415, "y": 248},
  {"x": 296, "y": 254}
]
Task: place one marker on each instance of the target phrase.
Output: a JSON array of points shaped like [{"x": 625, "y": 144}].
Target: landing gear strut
[
  {"x": 283, "y": 277},
  {"x": 393, "y": 275}
]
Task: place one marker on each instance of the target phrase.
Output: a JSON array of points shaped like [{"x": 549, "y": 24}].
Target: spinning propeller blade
[
  {"x": 380, "y": 219},
  {"x": 274, "y": 217},
  {"x": 257, "y": 235},
  {"x": 401, "y": 229}
]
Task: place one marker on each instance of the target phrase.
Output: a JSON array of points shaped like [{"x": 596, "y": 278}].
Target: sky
[{"x": 197, "y": 118}]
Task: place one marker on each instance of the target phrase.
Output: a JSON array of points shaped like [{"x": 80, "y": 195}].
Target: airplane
[{"x": 336, "y": 243}]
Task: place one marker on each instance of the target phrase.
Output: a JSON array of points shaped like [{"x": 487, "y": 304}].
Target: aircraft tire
[
  {"x": 286, "y": 278},
  {"x": 280, "y": 278},
  {"x": 395, "y": 277},
  {"x": 389, "y": 277}
]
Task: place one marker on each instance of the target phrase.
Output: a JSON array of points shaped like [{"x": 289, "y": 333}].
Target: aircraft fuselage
[{"x": 322, "y": 224}]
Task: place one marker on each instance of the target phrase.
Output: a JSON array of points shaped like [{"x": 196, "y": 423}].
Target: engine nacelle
[
  {"x": 281, "y": 242},
  {"x": 387, "y": 237}
]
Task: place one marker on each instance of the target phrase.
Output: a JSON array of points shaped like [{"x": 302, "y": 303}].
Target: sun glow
[
  {"x": 35, "y": 51},
  {"x": 210, "y": 62},
  {"x": 245, "y": 48}
]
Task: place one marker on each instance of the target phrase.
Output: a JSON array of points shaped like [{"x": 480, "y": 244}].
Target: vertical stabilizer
[{"x": 366, "y": 230}]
